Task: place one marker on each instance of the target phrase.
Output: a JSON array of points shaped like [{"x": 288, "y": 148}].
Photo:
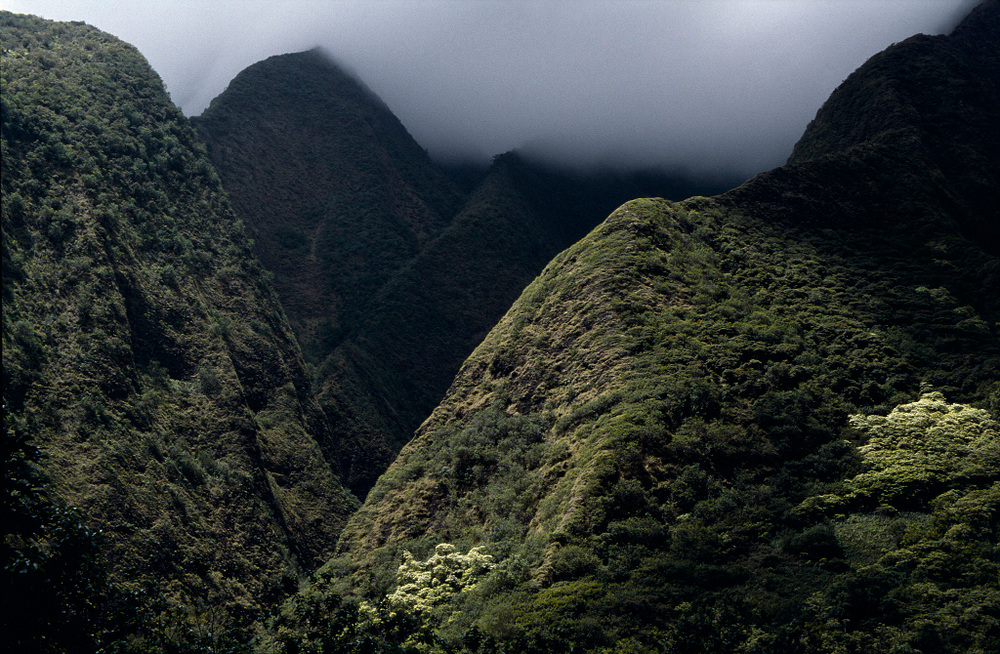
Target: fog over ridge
[{"x": 712, "y": 86}]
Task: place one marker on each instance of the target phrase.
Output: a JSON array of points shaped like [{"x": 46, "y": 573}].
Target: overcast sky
[{"x": 708, "y": 84}]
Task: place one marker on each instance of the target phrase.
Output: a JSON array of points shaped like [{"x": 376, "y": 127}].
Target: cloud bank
[{"x": 713, "y": 86}]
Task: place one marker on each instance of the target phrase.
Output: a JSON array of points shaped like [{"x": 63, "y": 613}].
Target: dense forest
[
  {"x": 151, "y": 382},
  {"x": 391, "y": 407}
]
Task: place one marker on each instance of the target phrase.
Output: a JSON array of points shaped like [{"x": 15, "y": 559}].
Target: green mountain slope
[
  {"x": 339, "y": 199},
  {"x": 390, "y": 273},
  {"x": 400, "y": 358},
  {"x": 143, "y": 350},
  {"x": 659, "y": 443}
]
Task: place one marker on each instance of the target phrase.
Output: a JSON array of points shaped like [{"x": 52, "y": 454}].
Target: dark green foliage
[
  {"x": 391, "y": 272},
  {"x": 697, "y": 430},
  {"x": 51, "y": 569},
  {"x": 143, "y": 349}
]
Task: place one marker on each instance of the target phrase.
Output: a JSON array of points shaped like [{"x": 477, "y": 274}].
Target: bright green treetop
[
  {"x": 424, "y": 585},
  {"x": 924, "y": 447}
]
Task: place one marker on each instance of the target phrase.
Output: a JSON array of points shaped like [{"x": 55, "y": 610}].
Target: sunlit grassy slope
[
  {"x": 756, "y": 422},
  {"x": 390, "y": 271},
  {"x": 635, "y": 439}
]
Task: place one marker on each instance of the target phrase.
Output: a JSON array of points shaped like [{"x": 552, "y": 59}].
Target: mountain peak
[
  {"x": 982, "y": 25},
  {"x": 323, "y": 147},
  {"x": 297, "y": 76},
  {"x": 628, "y": 441},
  {"x": 918, "y": 91}
]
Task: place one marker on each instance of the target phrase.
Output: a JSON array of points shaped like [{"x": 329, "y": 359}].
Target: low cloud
[{"x": 712, "y": 86}]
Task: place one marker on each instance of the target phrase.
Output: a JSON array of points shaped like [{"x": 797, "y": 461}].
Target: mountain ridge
[
  {"x": 394, "y": 307},
  {"x": 143, "y": 351},
  {"x": 299, "y": 118},
  {"x": 686, "y": 363}
]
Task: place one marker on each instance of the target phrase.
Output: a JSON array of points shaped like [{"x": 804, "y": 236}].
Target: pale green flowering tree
[
  {"x": 919, "y": 451},
  {"x": 923, "y": 512},
  {"x": 923, "y": 448},
  {"x": 424, "y": 585}
]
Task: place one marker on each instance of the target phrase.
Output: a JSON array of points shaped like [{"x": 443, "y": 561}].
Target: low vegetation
[
  {"x": 391, "y": 271},
  {"x": 686, "y": 433}
]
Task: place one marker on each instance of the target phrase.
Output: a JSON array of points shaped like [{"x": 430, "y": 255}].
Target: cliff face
[
  {"x": 660, "y": 417},
  {"x": 143, "y": 349}
]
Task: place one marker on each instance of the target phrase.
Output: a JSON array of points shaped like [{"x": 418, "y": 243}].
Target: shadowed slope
[
  {"x": 389, "y": 374},
  {"x": 336, "y": 193},
  {"x": 390, "y": 277}
]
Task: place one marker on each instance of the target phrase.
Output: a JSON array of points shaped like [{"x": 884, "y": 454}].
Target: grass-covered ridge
[
  {"x": 391, "y": 272},
  {"x": 652, "y": 409},
  {"x": 665, "y": 443},
  {"x": 762, "y": 421}
]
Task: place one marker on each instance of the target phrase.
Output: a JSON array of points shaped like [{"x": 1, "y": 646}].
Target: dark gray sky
[{"x": 708, "y": 84}]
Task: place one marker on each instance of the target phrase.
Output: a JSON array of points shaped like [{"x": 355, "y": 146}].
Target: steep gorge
[
  {"x": 760, "y": 421},
  {"x": 390, "y": 272}
]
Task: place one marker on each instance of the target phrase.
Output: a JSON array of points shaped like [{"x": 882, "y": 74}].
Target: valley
[{"x": 276, "y": 381}]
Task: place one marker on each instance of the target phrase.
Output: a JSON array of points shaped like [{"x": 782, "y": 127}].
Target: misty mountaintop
[{"x": 391, "y": 268}]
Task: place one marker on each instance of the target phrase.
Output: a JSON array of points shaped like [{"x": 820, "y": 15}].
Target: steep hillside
[
  {"x": 720, "y": 424},
  {"x": 390, "y": 372},
  {"x": 389, "y": 272},
  {"x": 340, "y": 200},
  {"x": 143, "y": 350},
  {"x": 335, "y": 192},
  {"x": 928, "y": 100}
]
